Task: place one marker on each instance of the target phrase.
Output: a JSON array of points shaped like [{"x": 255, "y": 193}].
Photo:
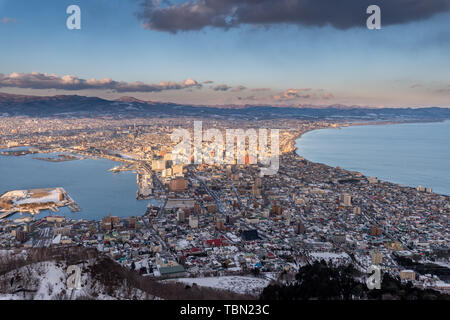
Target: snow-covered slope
[
  {"x": 238, "y": 284},
  {"x": 48, "y": 281}
]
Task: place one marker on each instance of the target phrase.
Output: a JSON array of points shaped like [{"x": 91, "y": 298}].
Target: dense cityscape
[
  {"x": 225, "y": 159},
  {"x": 227, "y": 220}
]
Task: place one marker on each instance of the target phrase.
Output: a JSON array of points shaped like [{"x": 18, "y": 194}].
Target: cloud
[
  {"x": 225, "y": 14},
  {"x": 445, "y": 90},
  {"x": 239, "y": 88},
  {"x": 291, "y": 94},
  {"x": 252, "y": 98},
  {"x": 303, "y": 93},
  {"x": 260, "y": 89},
  {"x": 8, "y": 20},
  {"x": 208, "y": 82},
  {"x": 327, "y": 96},
  {"x": 222, "y": 87},
  {"x": 36, "y": 80}
]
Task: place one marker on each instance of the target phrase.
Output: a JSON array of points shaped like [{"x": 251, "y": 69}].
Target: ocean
[{"x": 408, "y": 154}]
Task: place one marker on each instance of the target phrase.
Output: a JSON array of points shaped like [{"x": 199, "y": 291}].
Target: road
[{"x": 220, "y": 206}]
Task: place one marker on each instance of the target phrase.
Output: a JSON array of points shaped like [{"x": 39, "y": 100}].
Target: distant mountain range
[{"x": 81, "y": 106}]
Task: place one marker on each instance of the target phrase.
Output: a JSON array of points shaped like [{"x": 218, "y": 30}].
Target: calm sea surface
[
  {"x": 96, "y": 190},
  {"x": 409, "y": 154}
]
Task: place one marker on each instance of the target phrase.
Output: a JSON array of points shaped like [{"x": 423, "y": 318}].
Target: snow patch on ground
[
  {"x": 341, "y": 257},
  {"x": 238, "y": 284}
]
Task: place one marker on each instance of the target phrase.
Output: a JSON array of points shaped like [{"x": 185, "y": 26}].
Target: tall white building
[
  {"x": 346, "y": 200},
  {"x": 193, "y": 222}
]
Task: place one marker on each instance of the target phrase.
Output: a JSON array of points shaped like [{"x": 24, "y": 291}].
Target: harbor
[{"x": 33, "y": 201}]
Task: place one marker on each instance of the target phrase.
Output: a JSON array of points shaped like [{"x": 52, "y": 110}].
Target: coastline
[
  {"x": 89, "y": 210},
  {"x": 339, "y": 126},
  {"x": 359, "y": 124}
]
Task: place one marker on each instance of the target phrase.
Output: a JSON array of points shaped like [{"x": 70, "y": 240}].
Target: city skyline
[{"x": 192, "y": 56}]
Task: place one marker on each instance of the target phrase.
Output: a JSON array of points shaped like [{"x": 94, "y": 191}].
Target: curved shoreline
[
  {"x": 339, "y": 126},
  {"x": 360, "y": 124}
]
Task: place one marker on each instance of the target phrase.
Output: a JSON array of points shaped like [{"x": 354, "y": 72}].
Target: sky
[{"x": 284, "y": 52}]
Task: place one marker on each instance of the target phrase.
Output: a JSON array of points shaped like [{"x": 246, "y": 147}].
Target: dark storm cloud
[{"x": 341, "y": 14}]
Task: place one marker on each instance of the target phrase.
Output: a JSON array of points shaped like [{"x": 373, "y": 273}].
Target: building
[
  {"x": 216, "y": 243},
  {"x": 250, "y": 235},
  {"x": 109, "y": 222},
  {"x": 55, "y": 219},
  {"x": 212, "y": 208},
  {"x": 256, "y": 191},
  {"x": 394, "y": 246},
  {"x": 132, "y": 222},
  {"x": 300, "y": 228},
  {"x": 180, "y": 203},
  {"x": 375, "y": 231},
  {"x": 178, "y": 185},
  {"x": 339, "y": 237},
  {"x": 220, "y": 224},
  {"x": 346, "y": 200},
  {"x": 377, "y": 257},
  {"x": 177, "y": 170},
  {"x": 372, "y": 180},
  {"x": 5, "y": 204},
  {"x": 158, "y": 165},
  {"x": 287, "y": 217},
  {"x": 193, "y": 222},
  {"x": 172, "y": 272},
  {"x": 357, "y": 210},
  {"x": 424, "y": 189},
  {"x": 166, "y": 173},
  {"x": 408, "y": 275},
  {"x": 277, "y": 210},
  {"x": 20, "y": 236},
  {"x": 180, "y": 216}
]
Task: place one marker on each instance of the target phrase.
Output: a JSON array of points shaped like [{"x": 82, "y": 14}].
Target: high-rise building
[
  {"x": 287, "y": 217},
  {"x": 158, "y": 165},
  {"x": 346, "y": 200},
  {"x": 180, "y": 216},
  {"x": 20, "y": 235},
  {"x": 197, "y": 208},
  {"x": 109, "y": 222},
  {"x": 255, "y": 190},
  {"x": 277, "y": 210},
  {"x": 220, "y": 224},
  {"x": 166, "y": 173},
  {"x": 132, "y": 222},
  {"x": 177, "y": 170},
  {"x": 193, "y": 221},
  {"x": 300, "y": 229}
]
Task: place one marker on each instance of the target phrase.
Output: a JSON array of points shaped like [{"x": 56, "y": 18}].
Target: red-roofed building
[{"x": 216, "y": 243}]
